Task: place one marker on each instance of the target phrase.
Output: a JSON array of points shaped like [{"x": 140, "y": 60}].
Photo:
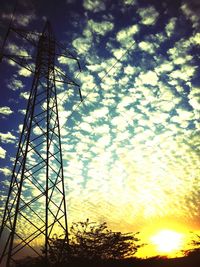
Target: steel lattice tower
[{"x": 35, "y": 209}]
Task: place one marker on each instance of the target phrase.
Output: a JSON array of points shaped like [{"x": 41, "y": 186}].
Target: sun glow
[{"x": 167, "y": 241}]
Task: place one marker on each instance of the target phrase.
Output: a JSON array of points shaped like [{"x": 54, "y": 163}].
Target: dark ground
[{"x": 192, "y": 260}]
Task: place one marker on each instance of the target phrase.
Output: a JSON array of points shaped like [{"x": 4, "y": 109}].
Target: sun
[{"x": 167, "y": 241}]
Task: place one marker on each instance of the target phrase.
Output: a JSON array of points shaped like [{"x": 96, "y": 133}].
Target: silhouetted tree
[
  {"x": 196, "y": 241},
  {"x": 93, "y": 241},
  {"x": 89, "y": 244},
  {"x": 196, "y": 250}
]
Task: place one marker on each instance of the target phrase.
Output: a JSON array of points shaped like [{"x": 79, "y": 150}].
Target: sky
[{"x": 131, "y": 148}]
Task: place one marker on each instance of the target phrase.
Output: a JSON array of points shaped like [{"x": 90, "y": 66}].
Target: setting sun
[{"x": 167, "y": 241}]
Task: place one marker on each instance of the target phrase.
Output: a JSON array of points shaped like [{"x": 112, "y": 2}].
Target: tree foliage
[
  {"x": 89, "y": 244},
  {"x": 196, "y": 247},
  {"x": 196, "y": 241},
  {"x": 92, "y": 241}
]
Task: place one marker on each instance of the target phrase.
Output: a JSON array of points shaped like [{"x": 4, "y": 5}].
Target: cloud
[
  {"x": 130, "y": 2},
  {"x": 105, "y": 68},
  {"x": 7, "y": 138},
  {"x": 194, "y": 98},
  {"x": 2, "y": 153},
  {"x": 25, "y": 19},
  {"x": 126, "y": 35},
  {"x": 5, "y": 111},
  {"x": 6, "y": 171},
  {"x": 163, "y": 145},
  {"x": 147, "y": 47},
  {"x": 191, "y": 10},
  {"x": 130, "y": 70},
  {"x": 108, "y": 83},
  {"x": 94, "y": 5},
  {"x": 15, "y": 84},
  {"x": 16, "y": 50},
  {"x": 128, "y": 175},
  {"x": 149, "y": 15},
  {"x": 149, "y": 77},
  {"x": 165, "y": 66},
  {"x": 20, "y": 19},
  {"x": 99, "y": 113},
  {"x": 88, "y": 82},
  {"x": 25, "y": 95},
  {"x": 170, "y": 27},
  {"x": 24, "y": 72},
  {"x": 119, "y": 53},
  {"x": 82, "y": 45},
  {"x": 100, "y": 28},
  {"x": 196, "y": 39},
  {"x": 184, "y": 114},
  {"x": 133, "y": 141},
  {"x": 185, "y": 73},
  {"x": 22, "y": 111},
  {"x": 180, "y": 49},
  {"x": 182, "y": 61},
  {"x": 86, "y": 127},
  {"x": 20, "y": 127}
]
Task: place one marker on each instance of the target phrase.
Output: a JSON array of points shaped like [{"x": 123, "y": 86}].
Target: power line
[
  {"x": 93, "y": 88},
  {"x": 9, "y": 26}
]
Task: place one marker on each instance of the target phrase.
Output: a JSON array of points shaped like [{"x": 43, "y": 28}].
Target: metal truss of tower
[{"x": 35, "y": 209}]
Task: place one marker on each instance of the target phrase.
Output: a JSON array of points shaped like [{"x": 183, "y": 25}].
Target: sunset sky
[{"x": 131, "y": 149}]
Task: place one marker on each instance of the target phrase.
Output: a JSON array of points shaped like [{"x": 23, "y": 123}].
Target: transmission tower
[{"x": 35, "y": 209}]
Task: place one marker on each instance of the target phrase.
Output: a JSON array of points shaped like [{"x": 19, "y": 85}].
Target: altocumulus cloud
[
  {"x": 5, "y": 111},
  {"x": 7, "y": 137},
  {"x": 133, "y": 142},
  {"x": 94, "y": 5},
  {"x": 149, "y": 15},
  {"x": 2, "y": 153}
]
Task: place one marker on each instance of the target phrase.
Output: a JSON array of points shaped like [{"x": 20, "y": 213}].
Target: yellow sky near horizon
[{"x": 186, "y": 232}]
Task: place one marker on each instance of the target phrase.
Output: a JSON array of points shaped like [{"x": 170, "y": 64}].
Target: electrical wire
[
  {"x": 93, "y": 88},
  {"x": 9, "y": 26}
]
